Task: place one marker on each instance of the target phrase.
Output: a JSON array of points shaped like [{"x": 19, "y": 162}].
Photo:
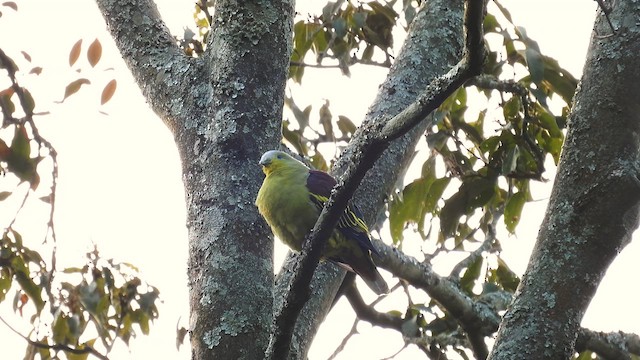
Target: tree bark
[
  {"x": 224, "y": 110},
  {"x": 593, "y": 207}
]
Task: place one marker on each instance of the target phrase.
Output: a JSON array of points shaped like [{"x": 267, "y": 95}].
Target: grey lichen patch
[
  {"x": 212, "y": 338},
  {"x": 550, "y": 299},
  {"x": 231, "y": 324}
]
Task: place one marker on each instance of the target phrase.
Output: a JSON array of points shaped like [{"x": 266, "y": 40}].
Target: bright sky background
[{"x": 119, "y": 178}]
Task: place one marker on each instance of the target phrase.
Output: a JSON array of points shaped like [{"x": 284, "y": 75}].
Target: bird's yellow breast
[{"x": 283, "y": 200}]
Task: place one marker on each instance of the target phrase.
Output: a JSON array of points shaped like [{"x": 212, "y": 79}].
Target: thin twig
[
  {"x": 486, "y": 245},
  {"x": 86, "y": 349},
  {"x": 343, "y": 343}
]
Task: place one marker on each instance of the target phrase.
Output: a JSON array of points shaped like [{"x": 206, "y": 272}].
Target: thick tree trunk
[
  {"x": 224, "y": 110},
  {"x": 594, "y": 204}
]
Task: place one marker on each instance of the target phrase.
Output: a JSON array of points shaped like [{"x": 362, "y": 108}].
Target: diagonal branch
[
  {"x": 480, "y": 317},
  {"x": 374, "y": 140}
]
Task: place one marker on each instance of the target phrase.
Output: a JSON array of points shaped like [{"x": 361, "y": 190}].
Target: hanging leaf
[
  {"x": 29, "y": 104},
  {"x": 11, "y": 4},
  {"x": 468, "y": 280},
  {"x": 74, "y": 54},
  {"x": 74, "y": 86},
  {"x": 94, "y": 53},
  {"x": 346, "y": 126},
  {"x": 108, "y": 91},
  {"x": 8, "y": 107},
  {"x": 535, "y": 64},
  {"x": 513, "y": 210},
  {"x": 4, "y": 195},
  {"x": 25, "y": 54}
]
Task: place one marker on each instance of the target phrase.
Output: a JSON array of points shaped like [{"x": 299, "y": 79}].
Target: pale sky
[{"x": 119, "y": 176}]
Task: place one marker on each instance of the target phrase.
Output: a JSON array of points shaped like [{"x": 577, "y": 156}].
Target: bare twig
[
  {"x": 606, "y": 10},
  {"x": 343, "y": 343},
  {"x": 486, "y": 245},
  {"x": 205, "y": 10}
]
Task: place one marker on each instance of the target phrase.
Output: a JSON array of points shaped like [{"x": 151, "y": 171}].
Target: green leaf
[
  {"x": 148, "y": 300},
  {"x": 511, "y": 108},
  {"x": 5, "y": 101},
  {"x": 29, "y": 104},
  {"x": 294, "y": 138},
  {"x": 74, "y": 86},
  {"x": 453, "y": 209},
  {"x": 89, "y": 298},
  {"x": 346, "y": 126},
  {"x": 513, "y": 210},
  {"x": 60, "y": 329},
  {"x": 367, "y": 54},
  {"x": 20, "y": 145},
  {"x": 474, "y": 192},
  {"x": 535, "y": 64},
  {"x": 29, "y": 287},
  {"x": 5, "y": 282},
  {"x": 506, "y": 277},
  {"x": 560, "y": 81},
  {"x": 435, "y": 193},
  {"x": 491, "y": 24},
  {"x": 7, "y": 63},
  {"x": 511, "y": 160},
  {"x": 471, "y": 274},
  {"x": 340, "y": 27}
]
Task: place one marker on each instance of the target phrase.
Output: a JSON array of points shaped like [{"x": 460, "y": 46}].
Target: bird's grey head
[{"x": 271, "y": 155}]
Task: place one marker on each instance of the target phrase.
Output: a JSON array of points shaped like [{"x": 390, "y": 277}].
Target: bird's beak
[{"x": 264, "y": 162}]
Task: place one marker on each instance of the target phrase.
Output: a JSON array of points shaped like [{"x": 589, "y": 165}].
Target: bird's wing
[{"x": 351, "y": 223}]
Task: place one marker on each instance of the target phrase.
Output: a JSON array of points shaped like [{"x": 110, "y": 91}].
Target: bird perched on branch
[{"x": 291, "y": 199}]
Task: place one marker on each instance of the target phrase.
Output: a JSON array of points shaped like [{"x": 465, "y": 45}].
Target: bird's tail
[{"x": 374, "y": 280}]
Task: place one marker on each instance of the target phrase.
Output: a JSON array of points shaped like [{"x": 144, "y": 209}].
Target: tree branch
[
  {"x": 368, "y": 313},
  {"x": 368, "y": 149},
  {"x": 483, "y": 315},
  {"x": 151, "y": 54}
]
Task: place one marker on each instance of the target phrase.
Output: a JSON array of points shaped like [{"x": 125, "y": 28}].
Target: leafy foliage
[
  {"x": 70, "y": 309},
  {"x": 491, "y": 139}
]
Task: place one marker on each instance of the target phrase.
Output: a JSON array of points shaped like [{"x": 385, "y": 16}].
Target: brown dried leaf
[
  {"x": 74, "y": 54},
  {"x": 26, "y": 56},
  {"x": 11, "y": 4},
  {"x": 108, "y": 91},
  {"x": 94, "y": 53}
]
